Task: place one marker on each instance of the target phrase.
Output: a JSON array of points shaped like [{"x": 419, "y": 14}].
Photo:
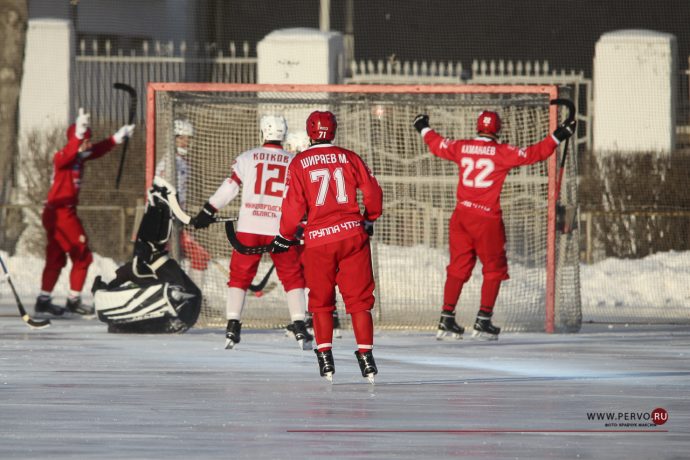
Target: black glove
[
  {"x": 206, "y": 216},
  {"x": 564, "y": 130},
  {"x": 420, "y": 122},
  {"x": 280, "y": 244},
  {"x": 368, "y": 227}
]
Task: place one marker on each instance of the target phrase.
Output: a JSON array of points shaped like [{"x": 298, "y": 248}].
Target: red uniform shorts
[
  {"x": 65, "y": 235},
  {"x": 472, "y": 235},
  {"x": 243, "y": 267},
  {"x": 345, "y": 263}
]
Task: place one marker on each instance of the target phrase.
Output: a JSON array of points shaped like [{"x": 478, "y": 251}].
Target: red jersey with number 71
[
  {"x": 322, "y": 182},
  {"x": 484, "y": 165}
]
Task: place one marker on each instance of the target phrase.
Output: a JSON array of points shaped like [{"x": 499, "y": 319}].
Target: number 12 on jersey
[
  {"x": 269, "y": 188},
  {"x": 323, "y": 177}
]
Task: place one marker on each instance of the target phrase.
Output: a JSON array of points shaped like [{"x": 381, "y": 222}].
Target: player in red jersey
[
  {"x": 64, "y": 232},
  {"x": 476, "y": 227},
  {"x": 322, "y": 183}
]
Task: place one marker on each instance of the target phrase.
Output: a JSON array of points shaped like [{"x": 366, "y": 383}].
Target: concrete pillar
[
  {"x": 635, "y": 92},
  {"x": 47, "y": 90},
  {"x": 299, "y": 56}
]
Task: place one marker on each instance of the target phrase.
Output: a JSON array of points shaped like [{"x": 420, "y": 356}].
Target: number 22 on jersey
[
  {"x": 323, "y": 177},
  {"x": 273, "y": 185},
  {"x": 482, "y": 166}
]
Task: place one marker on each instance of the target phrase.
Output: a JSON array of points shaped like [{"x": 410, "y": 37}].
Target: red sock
[
  {"x": 363, "y": 327},
  {"x": 451, "y": 293},
  {"x": 323, "y": 329},
  {"x": 489, "y": 294}
]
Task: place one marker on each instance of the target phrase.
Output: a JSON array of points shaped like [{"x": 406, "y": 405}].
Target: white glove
[
  {"x": 82, "y": 123},
  {"x": 123, "y": 133}
]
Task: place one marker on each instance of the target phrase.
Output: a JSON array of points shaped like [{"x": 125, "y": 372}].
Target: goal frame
[{"x": 552, "y": 166}]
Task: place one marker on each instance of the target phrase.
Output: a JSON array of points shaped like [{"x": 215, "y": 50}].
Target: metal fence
[{"x": 99, "y": 66}]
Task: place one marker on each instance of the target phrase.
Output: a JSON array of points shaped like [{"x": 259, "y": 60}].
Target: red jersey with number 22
[
  {"x": 484, "y": 165},
  {"x": 322, "y": 182}
]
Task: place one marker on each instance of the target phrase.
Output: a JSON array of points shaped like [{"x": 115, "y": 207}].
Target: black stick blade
[{"x": 36, "y": 323}]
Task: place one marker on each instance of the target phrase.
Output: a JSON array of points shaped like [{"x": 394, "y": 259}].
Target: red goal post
[{"x": 213, "y": 95}]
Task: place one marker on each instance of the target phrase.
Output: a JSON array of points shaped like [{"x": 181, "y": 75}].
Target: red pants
[
  {"x": 243, "y": 267},
  {"x": 197, "y": 255},
  {"x": 65, "y": 235},
  {"x": 346, "y": 263},
  {"x": 471, "y": 236}
]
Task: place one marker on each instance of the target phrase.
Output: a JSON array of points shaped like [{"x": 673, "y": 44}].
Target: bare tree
[
  {"x": 14, "y": 16},
  {"x": 13, "y": 23}
]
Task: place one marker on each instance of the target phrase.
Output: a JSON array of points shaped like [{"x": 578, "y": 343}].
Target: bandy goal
[{"x": 410, "y": 246}]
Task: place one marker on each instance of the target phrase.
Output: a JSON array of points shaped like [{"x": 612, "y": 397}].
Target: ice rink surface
[{"x": 75, "y": 391}]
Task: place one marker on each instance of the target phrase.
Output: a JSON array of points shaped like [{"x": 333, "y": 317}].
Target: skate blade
[
  {"x": 445, "y": 335},
  {"x": 370, "y": 378},
  {"x": 229, "y": 344},
  {"x": 303, "y": 345},
  {"x": 328, "y": 376},
  {"x": 337, "y": 334},
  {"x": 485, "y": 336}
]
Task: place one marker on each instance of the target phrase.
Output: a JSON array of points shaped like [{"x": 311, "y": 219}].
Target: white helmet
[
  {"x": 273, "y": 128},
  {"x": 183, "y": 128},
  {"x": 297, "y": 142}
]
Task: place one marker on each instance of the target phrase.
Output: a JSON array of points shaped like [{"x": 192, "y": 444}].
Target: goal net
[{"x": 410, "y": 247}]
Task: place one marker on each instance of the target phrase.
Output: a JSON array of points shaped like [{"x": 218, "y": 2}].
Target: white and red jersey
[
  {"x": 484, "y": 165},
  {"x": 323, "y": 182},
  {"x": 68, "y": 169},
  {"x": 261, "y": 172}
]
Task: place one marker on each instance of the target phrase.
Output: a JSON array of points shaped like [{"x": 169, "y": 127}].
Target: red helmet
[
  {"x": 73, "y": 128},
  {"x": 489, "y": 123},
  {"x": 321, "y": 126}
]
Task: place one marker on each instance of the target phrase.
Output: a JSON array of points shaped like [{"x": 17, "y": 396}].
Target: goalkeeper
[{"x": 476, "y": 227}]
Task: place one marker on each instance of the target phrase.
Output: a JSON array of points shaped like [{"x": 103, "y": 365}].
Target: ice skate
[
  {"x": 484, "y": 330},
  {"x": 367, "y": 365},
  {"x": 77, "y": 307},
  {"x": 299, "y": 330},
  {"x": 336, "y": 326},
  {"x": 232, "y": 333},
  {"x": 44, "y": 305},
  {"x": 326, "y": 364},
  {"x": 448, "y": 328}
]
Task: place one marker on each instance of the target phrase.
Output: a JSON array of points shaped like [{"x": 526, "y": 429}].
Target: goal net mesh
[{"x": 410, "y": 246}]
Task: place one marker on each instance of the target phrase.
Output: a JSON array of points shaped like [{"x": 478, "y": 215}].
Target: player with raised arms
[{"x": 476, "y": 228}]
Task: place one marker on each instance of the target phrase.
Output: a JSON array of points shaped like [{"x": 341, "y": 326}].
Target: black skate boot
[
  {"x": 76, "y": 306},
  {"x": 336, "y": 325},
  {"x": 303, "y": 337},
  {"x": 45, "y": 305},
  {"x": 232, "y": 333},
  {"x": 448, "y": 328},
  {"x": 367, "y": 365},
  {"x": 483, "y": 329},
  {"x": 326, "y": 364},
  {"x": 309, "y": 322}
]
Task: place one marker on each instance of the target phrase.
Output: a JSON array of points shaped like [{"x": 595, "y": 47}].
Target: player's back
[
  {"x": 329, "y": 177},
  {"x": 262, "y": 171},
  {"x": 483, "y": 167}
]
